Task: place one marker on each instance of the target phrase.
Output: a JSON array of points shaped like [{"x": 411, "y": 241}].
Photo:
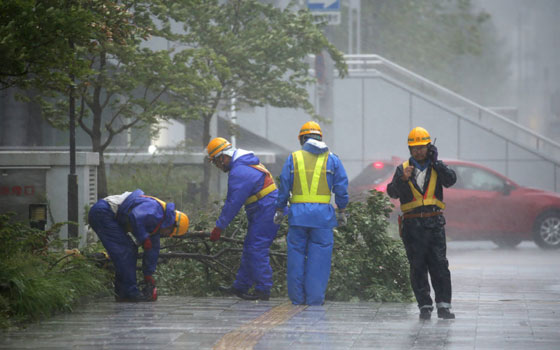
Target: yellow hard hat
[
  {"x": 310, "y": 128},
  {"x": 181, "y": 224},
  {"x": 418, "y": 137},
  {"x": 216, "y": 146}
]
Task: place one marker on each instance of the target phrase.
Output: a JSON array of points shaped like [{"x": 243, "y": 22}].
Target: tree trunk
[{"x": 204, "y": 193}]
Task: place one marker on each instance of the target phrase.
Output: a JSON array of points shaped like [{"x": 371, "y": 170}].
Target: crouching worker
[
  {"x": 124, "y": 222},
  {"x": 251, "y": 185}
]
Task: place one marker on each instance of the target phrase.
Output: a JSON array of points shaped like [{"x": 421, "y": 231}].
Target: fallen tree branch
[
  {"x": 197, "y": 255},
  {"x": 211, "y": 261},
  {"x": 229, "y": 273}
]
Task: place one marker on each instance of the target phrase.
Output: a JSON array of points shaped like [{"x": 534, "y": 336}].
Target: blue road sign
[
  {"x": 323, "y": 5},
  {"x": 326, "y": 10}
]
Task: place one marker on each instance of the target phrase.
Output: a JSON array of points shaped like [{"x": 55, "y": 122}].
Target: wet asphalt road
[{"x": 503, "y": 299}]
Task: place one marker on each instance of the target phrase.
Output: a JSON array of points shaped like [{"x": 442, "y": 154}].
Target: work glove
[
  {"x": 147, "y": 244},
  {"x": 432, "y": 153},
  {"x": 216, "y": 233},
  {"x": 278, "y": 216},
  {"x": 341, "y": 218}
]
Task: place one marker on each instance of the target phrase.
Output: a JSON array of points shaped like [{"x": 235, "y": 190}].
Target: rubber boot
[
  {"x": 425, "y": 314},
  {"x": 444, "y": 313},
  {"x": 234, "y": 291},
  {"x": 262, "y": 295}
]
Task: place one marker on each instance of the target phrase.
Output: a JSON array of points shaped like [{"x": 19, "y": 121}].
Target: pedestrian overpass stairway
[{"x": 539, "y": 146}]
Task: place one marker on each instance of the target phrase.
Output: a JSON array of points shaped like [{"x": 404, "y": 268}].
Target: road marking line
[
  {"x": 248, "y": 335},
  {"x": 486, "y": 301}
]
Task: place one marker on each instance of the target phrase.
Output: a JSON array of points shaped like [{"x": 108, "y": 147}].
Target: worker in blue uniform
[
  {"x": 124, "y": 222},
  {"x": 252, "y": 185},
  {"x": 308, "y": 178}
]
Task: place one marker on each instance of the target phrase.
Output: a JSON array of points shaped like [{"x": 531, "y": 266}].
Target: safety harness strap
[
  {"x": 268, "y": 185},
  {"x": 163, "y": 205}
]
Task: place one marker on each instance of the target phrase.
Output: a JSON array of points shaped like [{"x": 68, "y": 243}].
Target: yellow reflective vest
[
  {"x": 428, "y": 198},
  {"x": 310, "y": 178}
]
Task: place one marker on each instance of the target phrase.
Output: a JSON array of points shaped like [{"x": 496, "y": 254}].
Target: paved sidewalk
[{"x": 503, "y": 299}]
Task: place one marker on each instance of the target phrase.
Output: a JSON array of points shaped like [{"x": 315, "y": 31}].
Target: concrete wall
[
  {"x": 372, "y": 116},
  {"x": 47, "y": 173}
]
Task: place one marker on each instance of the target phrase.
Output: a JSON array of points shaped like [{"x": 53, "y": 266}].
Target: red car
[{"x": 482, "y": 204}]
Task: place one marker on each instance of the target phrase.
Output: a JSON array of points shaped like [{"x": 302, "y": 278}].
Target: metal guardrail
[{"x": 371, "y": 65}]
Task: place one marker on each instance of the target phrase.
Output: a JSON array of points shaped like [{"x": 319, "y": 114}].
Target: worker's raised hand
[
  {"x": 216, "y": 233},
  {"x": 278, "y": 216},
  {"x": 407, "y": 173},
  {"x": 147, "y": 244},
  {"x": 432, "y": 153}
]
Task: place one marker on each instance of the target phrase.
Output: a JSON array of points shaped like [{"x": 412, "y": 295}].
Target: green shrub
[
  {"x": 367, "y": 263},
  {"x": 35, "y": 282}
]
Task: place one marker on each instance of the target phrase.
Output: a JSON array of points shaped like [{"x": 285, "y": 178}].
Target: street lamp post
[{"x": 72, "y": 177}]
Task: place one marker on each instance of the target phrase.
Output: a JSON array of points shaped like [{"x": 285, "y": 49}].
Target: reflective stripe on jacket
[
  {"x": 429, "y": 197},
  {"x": 268, "y": 185},
  {"x": 310, "y": 178}
]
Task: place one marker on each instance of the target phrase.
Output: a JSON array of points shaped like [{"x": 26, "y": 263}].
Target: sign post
[{"x": 327, "y": 9}]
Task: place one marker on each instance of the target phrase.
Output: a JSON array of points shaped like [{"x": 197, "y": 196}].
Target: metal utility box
[{"x": 34, "y": 185}]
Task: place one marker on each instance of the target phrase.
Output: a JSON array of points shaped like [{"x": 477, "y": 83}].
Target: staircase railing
[{"x": 371, "y": 65}]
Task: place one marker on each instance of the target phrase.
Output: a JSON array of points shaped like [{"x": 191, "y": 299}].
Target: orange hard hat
[
  {"x": 216, "y": 146},
  {"x": 418, "y": 137},
  {"x": 310, "y": 128}
]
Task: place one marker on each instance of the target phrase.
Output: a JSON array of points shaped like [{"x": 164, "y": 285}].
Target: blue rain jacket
[
  {"x": 141, "y": 216},
  {"x": 310, "y": 236},
  {"x": 318, "y": 215},
  {"x": 243, "y": 182}
]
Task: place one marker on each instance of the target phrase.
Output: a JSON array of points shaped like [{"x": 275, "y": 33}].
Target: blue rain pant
[
  {"x": 122, "y": 250},
  {"x": 255, "y": 262},
  {"x": 309, "y": 264}
]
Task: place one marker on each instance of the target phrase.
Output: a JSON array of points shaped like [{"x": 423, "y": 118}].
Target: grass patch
[{"x": 36, "y": 282}]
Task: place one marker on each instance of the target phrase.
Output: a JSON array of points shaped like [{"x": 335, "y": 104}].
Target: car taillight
[
  {"x": 378, "y": 165},
  {"x": 381, "y": 188}
]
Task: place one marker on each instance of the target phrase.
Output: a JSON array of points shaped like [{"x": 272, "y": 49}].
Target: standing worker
[
  {"x": 310, "y": 175},
  {"x": 418, "y": 185},
  {"x": 145, "y": 218},
  {"x": 252, "y": 185}
]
